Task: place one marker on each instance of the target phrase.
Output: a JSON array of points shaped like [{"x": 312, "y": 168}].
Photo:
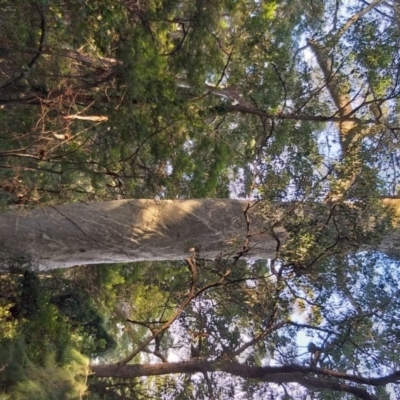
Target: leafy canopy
[{"x": 280, "y": 101}]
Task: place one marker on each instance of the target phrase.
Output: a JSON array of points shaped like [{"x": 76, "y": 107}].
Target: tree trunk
[
  {"x": 123, "y": 231},
  {"x": 310, "y": 377},
  {"x": 137, "y": 230}
]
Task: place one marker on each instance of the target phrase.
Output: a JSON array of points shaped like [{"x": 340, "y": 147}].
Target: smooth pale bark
[
  {"x": 130, "y": 230},
  {"x": 138, "y": 230}
]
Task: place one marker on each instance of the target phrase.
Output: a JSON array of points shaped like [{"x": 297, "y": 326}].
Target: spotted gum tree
[
  {"x": 182, "y": 99},
  {"x": 137, "y": 230}
]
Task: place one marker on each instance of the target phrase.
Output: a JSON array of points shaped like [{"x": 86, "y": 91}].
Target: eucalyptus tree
[{"x": 177, "y": 100}]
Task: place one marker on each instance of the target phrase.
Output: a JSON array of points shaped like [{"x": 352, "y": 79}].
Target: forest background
[{"x": 291, "y": 292}]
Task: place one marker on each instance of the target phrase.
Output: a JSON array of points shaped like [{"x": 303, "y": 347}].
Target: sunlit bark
[
  {"x": 122, "y": 231},
  {"x": 138, "y": 230}
]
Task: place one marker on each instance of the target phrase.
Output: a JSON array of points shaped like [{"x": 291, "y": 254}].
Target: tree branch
[
  {"x": 191, "y": 295},
  {"x": 309, "y": 377}
]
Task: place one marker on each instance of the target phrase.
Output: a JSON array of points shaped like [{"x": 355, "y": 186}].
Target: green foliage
[
  {"x": 128, "y": 69},
  {"x": 193, "y": 99},
  {"x": 40, "y": 327},
  {"x": 21, "y": 379}
]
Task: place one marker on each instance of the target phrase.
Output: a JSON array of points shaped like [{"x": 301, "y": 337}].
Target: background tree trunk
[{"x": 280, "y": 374}]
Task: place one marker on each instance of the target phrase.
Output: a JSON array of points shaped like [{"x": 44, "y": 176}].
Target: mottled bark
[
  {"x": 337, "y": 84},
  {"x": 134, "y": 230},
  {"x": 138, "y": 230},
  {"x": 338, "y": 89}
]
